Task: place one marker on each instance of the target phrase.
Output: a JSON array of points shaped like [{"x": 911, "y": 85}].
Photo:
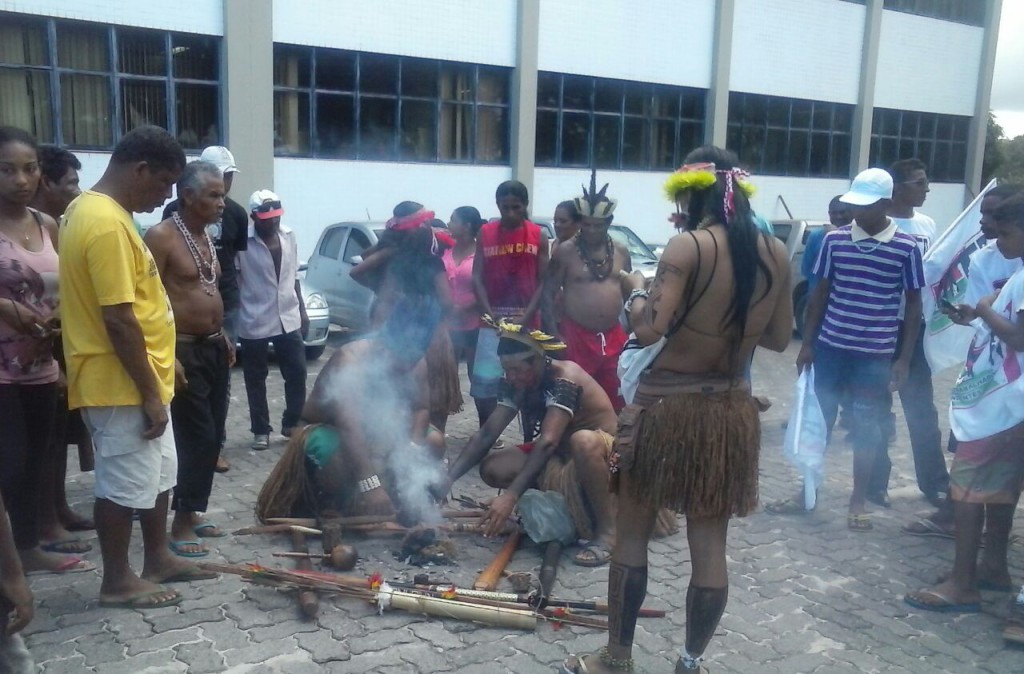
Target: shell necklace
[
  {"x": 207, "y": 269},
  {"x": 599, "y": 269}
]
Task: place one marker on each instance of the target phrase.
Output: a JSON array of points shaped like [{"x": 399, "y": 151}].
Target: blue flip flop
[
  {"x": 208, "y": 525},
  {"x": 176, "y": 548},
  {"x": 939, "y": 603}
]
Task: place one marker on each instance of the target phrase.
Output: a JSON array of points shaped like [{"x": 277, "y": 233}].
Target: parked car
[
  {"x": 794, "y": 233},
  {"x": 340, "y": 248}
]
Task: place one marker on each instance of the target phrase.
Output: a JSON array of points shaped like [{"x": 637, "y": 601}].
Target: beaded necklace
[
  {"x": 599, "y": 269},
  {"x": 207, "y": 269}
]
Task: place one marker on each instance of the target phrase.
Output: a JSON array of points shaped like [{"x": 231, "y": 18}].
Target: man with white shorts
[{"x": 119, "y": 340}]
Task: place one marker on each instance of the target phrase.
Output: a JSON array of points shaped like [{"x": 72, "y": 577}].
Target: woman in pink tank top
[{"x": 28, "y": 371}]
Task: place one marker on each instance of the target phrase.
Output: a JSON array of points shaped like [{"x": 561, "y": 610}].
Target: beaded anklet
[{"x": 623, "y": 664}]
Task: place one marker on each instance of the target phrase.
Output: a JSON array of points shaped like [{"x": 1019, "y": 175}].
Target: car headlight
[{"x": 316, "y": 301}]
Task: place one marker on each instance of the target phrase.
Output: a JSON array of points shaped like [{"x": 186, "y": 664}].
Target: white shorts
[{"x": 130, "y": 470}]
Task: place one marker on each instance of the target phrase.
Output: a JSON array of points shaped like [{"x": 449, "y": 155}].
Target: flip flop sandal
[
  {"x": 189, "y": 576},
  {"x": 597, "y": 553},
  {"x": 786, "y": 507},
  {"x": 859, "y": 523},
  {"x": 200, "y": 528},
  {"x": 177, "y": 547},
  {"x": 926, "y": 527},
  {"x": 983, "y": 585},
  {"x": 70, "y": 565},
  {"x": 139, "y": 601},
  {"x": 939, "y": 603},
  {"x": 68, "y": 546}
]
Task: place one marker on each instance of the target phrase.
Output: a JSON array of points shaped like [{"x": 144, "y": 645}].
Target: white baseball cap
[
  {"x": 868, "y": 187},
  {"x": 264, "y": 204},
  {"x": 222, "y": 157}
]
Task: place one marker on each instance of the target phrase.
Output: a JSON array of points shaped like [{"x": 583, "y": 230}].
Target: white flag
[{"x": 945, "y": 275}]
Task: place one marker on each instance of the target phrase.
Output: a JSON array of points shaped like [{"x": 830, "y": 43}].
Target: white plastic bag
[
  {"x": 633, "y": 360},
  {"x": 806, "y": 436}
]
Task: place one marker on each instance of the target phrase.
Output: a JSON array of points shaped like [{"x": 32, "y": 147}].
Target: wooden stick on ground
[
  {"x": 489, "y": 577},
  {"x": 309, "y": 603}
]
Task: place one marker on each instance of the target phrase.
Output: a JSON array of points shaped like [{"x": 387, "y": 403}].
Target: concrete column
[
  {"x": 249, "y": 93},
  {"x": 717, "y": 117},
  {"x": 524, "y": 92},
  {"x": 860, "y": 140},
  {"x": 979, "y": 123}
]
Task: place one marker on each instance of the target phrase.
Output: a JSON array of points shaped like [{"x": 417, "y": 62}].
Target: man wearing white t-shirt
[
  {"x": 987, "y": 418},
  {"x": 910, "y": 188}
]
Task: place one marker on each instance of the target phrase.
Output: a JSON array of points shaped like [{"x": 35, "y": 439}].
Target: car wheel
[
  {"x": 800, "y": 308},
  {"x": 314, "y": 352}
]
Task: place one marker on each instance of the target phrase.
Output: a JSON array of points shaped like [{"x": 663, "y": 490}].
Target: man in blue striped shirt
[{"x": 853, "y": 322}]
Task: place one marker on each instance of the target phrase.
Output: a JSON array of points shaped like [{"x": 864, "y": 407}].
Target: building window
[
  {"x": 940, "y": 141},
  {"x": 340, "y": 104},
  {"x": 593, "y": 121},
  {"x": 971, "y": 12},
  {"x": 85, "y": 84},
  {"x": 790, "y": 136}
]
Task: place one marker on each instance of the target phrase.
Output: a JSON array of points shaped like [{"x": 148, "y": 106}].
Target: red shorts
[{"x": 597, "y": 353}]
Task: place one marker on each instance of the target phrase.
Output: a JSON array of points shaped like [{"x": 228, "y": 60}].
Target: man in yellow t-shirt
[{"x": 119, "y": 344}]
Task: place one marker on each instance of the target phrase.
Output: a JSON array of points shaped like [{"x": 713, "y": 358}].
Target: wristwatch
[{"x": 369, "y": 484}]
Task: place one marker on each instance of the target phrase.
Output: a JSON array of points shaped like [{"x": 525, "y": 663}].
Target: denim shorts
[{"x": 861, "y": 382}]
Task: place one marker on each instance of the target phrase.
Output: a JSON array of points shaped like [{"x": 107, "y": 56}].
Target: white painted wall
[
  {"x": 316, "y": 192},
  {"x": 662, "y": 41},
  {"x": 928, "y": 65},
  {"x": 195, "y": 16},
  {"x": 945, "y": 201},
  {"x": 798, "y": 48},
  {"x": 456, "y": 30},
  {"x": 807, "y": 198}
]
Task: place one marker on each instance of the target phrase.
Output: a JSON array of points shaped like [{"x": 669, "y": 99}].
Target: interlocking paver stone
[{"x": 806, "y": 595}]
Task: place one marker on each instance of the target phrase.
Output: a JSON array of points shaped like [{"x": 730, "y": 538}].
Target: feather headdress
[
  {"x": 594, "y": 203},
  {"x": 535, "y": 339}
]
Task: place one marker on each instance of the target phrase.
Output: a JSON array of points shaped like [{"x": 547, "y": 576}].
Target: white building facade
[{"x": 345, "y": 108}]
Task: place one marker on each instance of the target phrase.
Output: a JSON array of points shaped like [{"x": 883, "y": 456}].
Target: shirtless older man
[
  {"x": 568, "y": 425},
  {"x": 586, "y": 268},
  {"x": 187, "y": 262},
  {"x": 690, "y": 438}
]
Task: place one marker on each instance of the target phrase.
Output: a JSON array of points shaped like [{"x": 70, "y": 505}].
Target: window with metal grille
[
  {"x": 940, "y": 141},
  {"x": 774, "y": 135},
  {"x": 85, "y": 85},
  {"x": 341, "y": 104},
  {"x": 608, "y": 123}
]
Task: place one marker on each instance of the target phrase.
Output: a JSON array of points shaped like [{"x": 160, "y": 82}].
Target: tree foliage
[{"x": 1004, "y": 157}]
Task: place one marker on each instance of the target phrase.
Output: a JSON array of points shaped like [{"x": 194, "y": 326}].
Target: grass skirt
[
  {"x": 443, "y": 376},
  {"x": 697, "y": 452}
]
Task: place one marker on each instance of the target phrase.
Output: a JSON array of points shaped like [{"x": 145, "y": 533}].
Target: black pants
[
  {"x": 918, "y": 400},
  {"x": 198, "y": 413},
  {"x": 26, "y": 422},
  {"x": 291, "y": 359}
]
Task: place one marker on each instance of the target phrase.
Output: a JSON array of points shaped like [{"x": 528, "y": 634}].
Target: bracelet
[
  {"x": 369, "y": 484},
  {"x": 639, "y": 292}
]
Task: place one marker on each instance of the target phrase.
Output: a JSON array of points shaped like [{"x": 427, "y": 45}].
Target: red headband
[{"x": 412, "y": 221}]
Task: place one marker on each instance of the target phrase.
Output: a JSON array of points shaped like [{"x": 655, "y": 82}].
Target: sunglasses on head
[{"x": 268, "y": 206}]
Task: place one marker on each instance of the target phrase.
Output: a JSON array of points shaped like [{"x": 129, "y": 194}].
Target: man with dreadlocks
[
  {"x": 587, "y": 271},
  {"x": 690, "y": 438},
  {"x": 568, "y": 423},
  {"x": 368, "y": 401}
]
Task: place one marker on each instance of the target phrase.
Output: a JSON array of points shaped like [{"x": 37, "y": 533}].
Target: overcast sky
[{"x": 1008, "y": 81}]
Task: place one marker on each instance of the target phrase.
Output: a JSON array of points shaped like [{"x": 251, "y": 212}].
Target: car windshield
[{"x": 632, "y": 242}]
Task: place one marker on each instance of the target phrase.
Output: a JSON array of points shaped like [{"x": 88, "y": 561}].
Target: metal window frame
[
  {"x": 649, "y": 119},
  {"x": 957, "y": 176},
  {"x": 114, "y": 77},
  {"x": 737, "y": 101},
  {"x": 357, "y": 94}
]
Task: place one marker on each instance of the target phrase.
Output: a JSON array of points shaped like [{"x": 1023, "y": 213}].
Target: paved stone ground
[{"x": 806, "y": 594}]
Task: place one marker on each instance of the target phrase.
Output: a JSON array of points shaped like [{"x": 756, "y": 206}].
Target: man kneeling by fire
[
  {"x": 568, "y": 426},
  {"x": 366, "y": 444}
]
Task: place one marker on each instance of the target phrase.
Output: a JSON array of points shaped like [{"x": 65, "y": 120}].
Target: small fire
[
  {"x": 376, "y": 580},
  {"x": 448, "y": 592}
]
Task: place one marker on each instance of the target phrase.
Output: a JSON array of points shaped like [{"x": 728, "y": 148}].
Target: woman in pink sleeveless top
[
  {"x": 28, "y": 371},
  {"x": 464, "y": 323}
]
